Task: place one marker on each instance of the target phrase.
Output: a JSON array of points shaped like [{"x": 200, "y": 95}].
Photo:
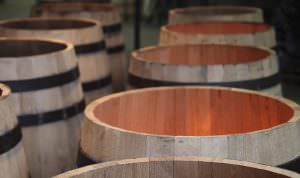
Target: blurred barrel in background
[
  {"x": 205, "y": 64},
  {"x": 215, "y": 13},
  {"x": 110, "y": 19},
  {"x": 88, "y": 40},
  {"x": 235, "y": 33}
]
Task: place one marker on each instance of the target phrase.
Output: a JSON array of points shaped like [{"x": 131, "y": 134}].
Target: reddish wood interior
[
  {"x": 192, "y": 112},
  {"x": 47, "y": 24},
  {"x": 21, "y": 48},
  {"x": 213, "y": 28},
  {"x": 202, "y": 54}
]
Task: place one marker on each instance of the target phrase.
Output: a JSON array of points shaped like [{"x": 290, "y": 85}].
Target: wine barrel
[
  {"x": 12, "y": 156},
  {"x": 192, "y": 121},
  {"x": 85, "y": 35},
  {"x": 110, "y": 19},
  {"x": 205, "y": 64},
  {"x": 179, "y": 167},
  {"x": 47, "y": 95},
  {"x": 215, "y": 13},
  {"x": 238, "y": 33}
]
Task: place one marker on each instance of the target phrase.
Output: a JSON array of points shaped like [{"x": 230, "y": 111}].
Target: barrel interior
[
  {"x": 192, "y": 111},
  {"x": 204, "y": 54},
  {"x": 48, "y": 24},
  {"x": 213, "y": 28},
  {"x": 21, "y": 48},
  {"x": 208, "y": 11}
]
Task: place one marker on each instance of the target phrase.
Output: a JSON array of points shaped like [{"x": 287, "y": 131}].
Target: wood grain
[{"x": 178, "y": 167}]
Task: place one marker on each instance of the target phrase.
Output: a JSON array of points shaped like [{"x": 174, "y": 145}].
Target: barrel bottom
[
  {"x": 52, "y": 148},
  {"x": 93, "y": 95},
  {"x": 13, "y": 163},
  {"x": 119, "y": 67}
]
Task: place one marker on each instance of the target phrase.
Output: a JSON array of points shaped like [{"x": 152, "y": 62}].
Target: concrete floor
[{"x": 150, "y": 33}]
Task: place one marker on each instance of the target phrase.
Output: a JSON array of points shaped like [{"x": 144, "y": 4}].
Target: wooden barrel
[
  {"x": 238, "y": 33},
  {"x": 192, "y": 121},
  {"x": 215, "y": 13},
  {"x": 44, "y": 78},
  {"x": 178, "y": 167},
  {"x": 205, "y": 64},
  {"x": 110, "y": 19},
  {"x": 12, "y": 156},
  {"x": 85, "y": 35}
]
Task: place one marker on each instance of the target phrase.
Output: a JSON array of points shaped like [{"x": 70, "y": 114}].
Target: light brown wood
[
  {"x": 204, "y": 64},
  {"x": 108, "y": 15},
  {"x": 192, "y": 121},
  {"x": 237, "y": 33},
  {"x": 13, "y": 162},
  {"x": 94, "y": 66},
  {"x": 178, "y": 167},
  {"x": 215, "y": 13},
  {"x": 50, "y": 148}
]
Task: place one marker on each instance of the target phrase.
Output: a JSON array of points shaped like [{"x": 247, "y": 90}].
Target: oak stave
[
  {"x": 111, "y": 21},
  {"x": 235, "y": 33},
  {"x": 48, "y": 99},
  {"x": 205, "y": 64},
  {"x": 87, "y": 37},
  {"x": 178, "y": 167},
  {"x": 159, "y": 122},
  {"x": 12, "y": 156},
  {"x": 215, "y": 13}
]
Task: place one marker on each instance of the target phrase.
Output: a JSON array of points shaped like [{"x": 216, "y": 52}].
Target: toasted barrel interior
[
  {"x": 48, "y": 24},
  {"x": 192, "y": 111},
  {"x": 21, "y": 48},
  {"x": 202, "y": 54},
  {"x": 218, "y": 28}
]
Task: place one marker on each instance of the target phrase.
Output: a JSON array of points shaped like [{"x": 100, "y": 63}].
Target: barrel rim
[
  {"x": 5, "y": 91},
  {"x": 72, "y": 6},
  {"x": 251, "y": 10},
  {"x": 135, "y": 54},
  {"x": 164, "y": 28},
  {"x": 86, "y": 169},
  {"x": 91, "y": 23},
  {"x": 89, "y": 114},
  {"x": 67, "y": 47}
]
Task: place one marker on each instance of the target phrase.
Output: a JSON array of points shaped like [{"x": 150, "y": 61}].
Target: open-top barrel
[
  {"x": 192, "y": 121},
  {"x": 215, "y": 13},
  {"x": 47, "y": 96}
]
